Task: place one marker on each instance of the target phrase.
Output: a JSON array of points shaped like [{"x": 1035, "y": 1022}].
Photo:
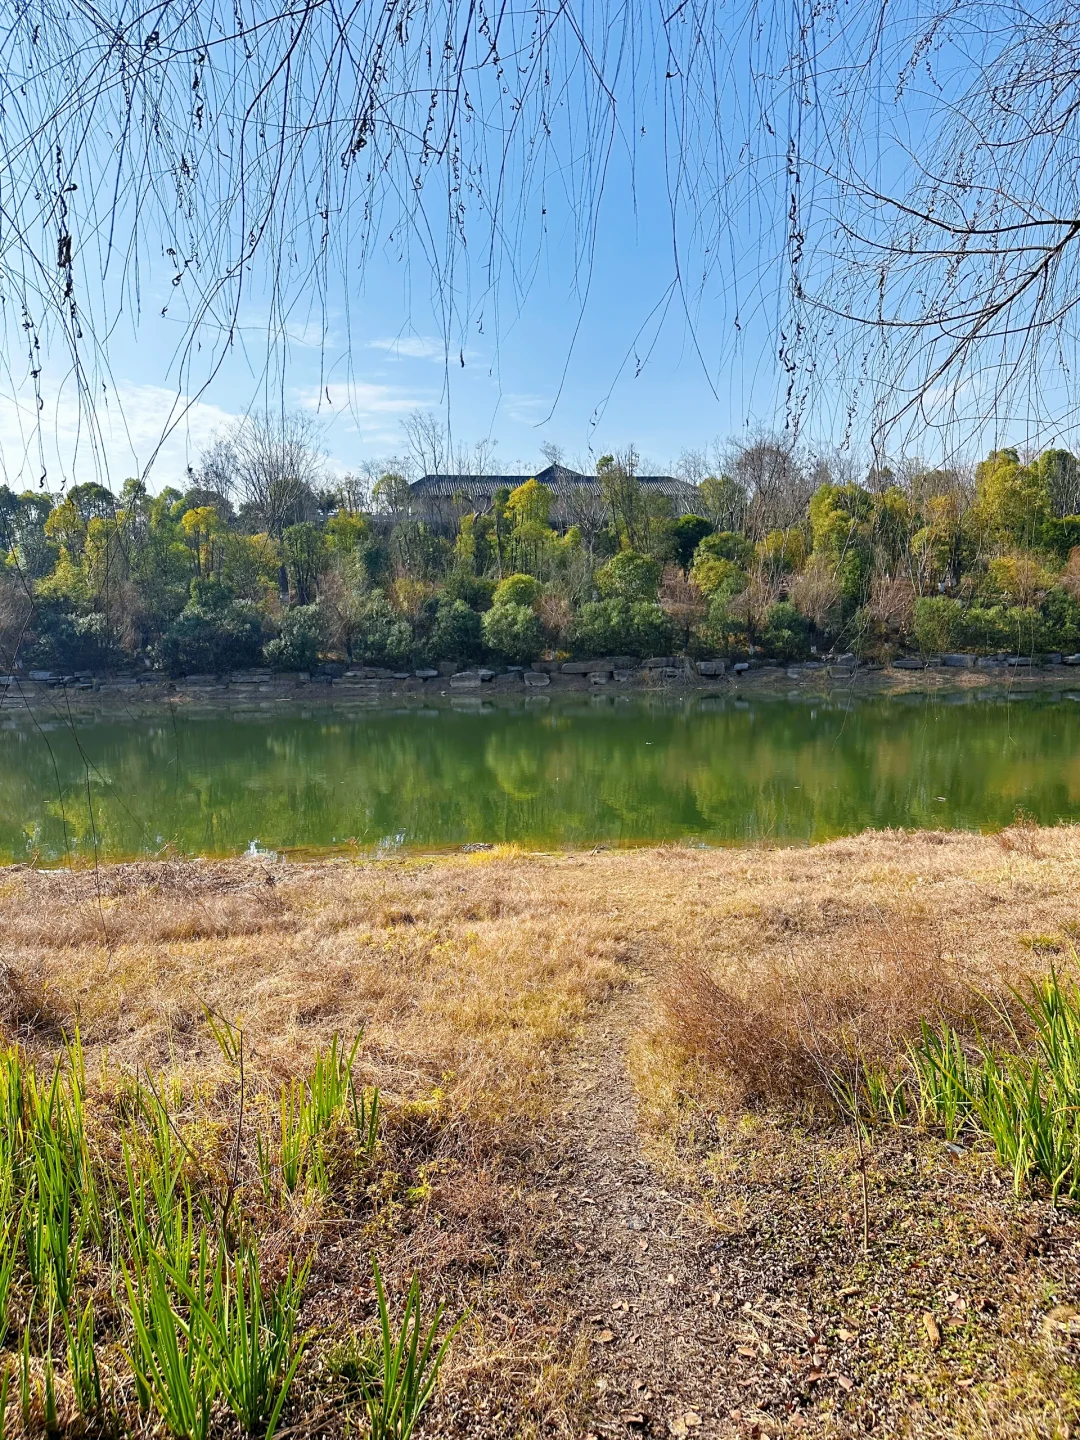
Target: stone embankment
[{"x": 610, "y": 674}]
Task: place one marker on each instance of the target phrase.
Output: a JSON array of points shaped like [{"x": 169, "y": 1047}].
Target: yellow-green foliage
[
  {"x": 345, "y": 531},
  {"x": 783, "y": 551},
  {"x": 1012, "y": 500},
  {"x": 1018, "y": 578},
  {"x": 836, "y": 514},
  {"x": 712, "y": 573},
  {"x": 529, "y": 504}
]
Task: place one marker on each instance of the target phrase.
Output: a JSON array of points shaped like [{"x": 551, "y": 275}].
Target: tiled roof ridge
[{"x": 557, "y": 478}]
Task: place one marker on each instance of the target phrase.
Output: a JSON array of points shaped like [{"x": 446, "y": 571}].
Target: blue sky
[
  {"x": 591, "y": 349},
  {"x": 588, "y": 372},
  {"x": 590, "y": 356}
]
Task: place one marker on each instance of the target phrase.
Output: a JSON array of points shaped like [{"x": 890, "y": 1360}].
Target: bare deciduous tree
[
  {"x": 353, "y": 491},
  {"x": 429, "y": 444},
  {"x": 777, "y": 481},
  {"x": 216, "y": 470},
  {"x": 278, "y": 464},
  {"x": 934, "y": 213}
]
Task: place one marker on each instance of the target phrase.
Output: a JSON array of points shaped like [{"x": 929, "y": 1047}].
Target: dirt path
[{"x": 639, "y": 1260}]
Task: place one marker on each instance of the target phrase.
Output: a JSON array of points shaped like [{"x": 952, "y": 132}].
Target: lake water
[{"x": 611, "y": 771}]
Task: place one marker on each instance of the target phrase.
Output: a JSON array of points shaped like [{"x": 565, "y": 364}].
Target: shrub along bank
[{"x": 183, "y": 583}]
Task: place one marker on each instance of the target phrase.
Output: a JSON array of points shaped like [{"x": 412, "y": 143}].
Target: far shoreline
[{"x": 128, "y": 697}]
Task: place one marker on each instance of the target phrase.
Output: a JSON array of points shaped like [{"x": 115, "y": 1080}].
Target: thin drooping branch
[{"x": 882, "y": 199}]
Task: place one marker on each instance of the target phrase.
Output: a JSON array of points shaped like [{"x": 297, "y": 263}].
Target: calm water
[{"x": 608, "y": 771}]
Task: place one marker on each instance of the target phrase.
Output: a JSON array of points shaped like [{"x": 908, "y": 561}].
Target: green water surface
[{"x": 607, "y": 771}]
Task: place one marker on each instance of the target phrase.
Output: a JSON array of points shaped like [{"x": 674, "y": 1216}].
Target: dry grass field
[{"x": 826, "y": 1275}]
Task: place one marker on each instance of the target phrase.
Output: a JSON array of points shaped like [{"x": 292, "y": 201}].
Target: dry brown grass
[
  {"x": 794, "y": 958},
  {"x": 469, "y": 976},
  {"x": 854, "y": 989},
  {"x": 814, "y": 958},
  {"x": 469, "y": 971},
  {"x": 463, "y": 973}
]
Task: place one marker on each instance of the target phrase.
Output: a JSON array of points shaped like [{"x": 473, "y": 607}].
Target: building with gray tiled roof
[{"x": 441, "y": 499}]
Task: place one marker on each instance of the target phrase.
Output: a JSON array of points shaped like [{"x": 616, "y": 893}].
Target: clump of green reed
[
  {"x": 153, "y": 1211},
  {"x": 394, "y": 1370},
  {"x": 208, "y": 1330},
  {"x": 253, "y": 1337},
  {"x": 82, "y": 1360},
  {"x": 170, "y": 1359},
  {"x": 1024, "y": 1096},
  {"x": 943, "y": 1078},
  {"x": 49, "y": 1198},
  {"x": 11, "y": 1223},
  {"x": 200, "y": 1328},
  {"x": 308, "y": 1111}
]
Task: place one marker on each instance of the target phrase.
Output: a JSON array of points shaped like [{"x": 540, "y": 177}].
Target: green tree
[
  {"x": 346, "y": 531},
  {"x": 66, "y": 528},
  {"x": 517, "y": 590},
  {"x": 456, "y": 633},
  {"x": 513, "y": 632},
  {"x": 940, "y": 548},
  {"x": 712, "y": 573},
  {"x": 629, "y": 576},
  {"x": 209, "y": 639},
  {"x": 621, "y": 627},
  {"x": 688, "y": 533},
  {"x": 937, "y": 624},
  {"x": 202, "y": 530},
  {"x": 391, "y": 494},
  {"x": 529, "y": 504},
  {"x": 724, "y": 629},
  {"x": 299, "y": 642},
  {"x": 640, "y": 521},
  {"x": 417, "y": 552},
  {"x": 783, "y": 552},
  {"x": 838, "y": 514},
  {"x": 1012, "y": 500},
  {"x": 1059, "y": 473},
  {"x": 26, "y": 546},
  {"x": 787, "y": 633},
  {"x": 893, "y": 527},
  {"x": 375, "y": 632},
  {"x": 726, "y": 545}
]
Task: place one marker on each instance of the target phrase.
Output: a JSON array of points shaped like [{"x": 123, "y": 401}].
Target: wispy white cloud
[
  {"x": 364, "y": 397},
  {"x": 411, "y": 347},
  {"x": 365, "y": 409},
  {"x": 524, "y": 408},
  {"x": 136, "y": 428},
  {"x": 108, "y": 436}
]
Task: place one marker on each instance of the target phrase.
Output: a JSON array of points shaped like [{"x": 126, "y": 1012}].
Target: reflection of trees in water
[
  {"x": 519, "y": 769},
  {"x": 626, "y": 773}
]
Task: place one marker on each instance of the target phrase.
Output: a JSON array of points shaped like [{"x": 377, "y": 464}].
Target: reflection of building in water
[{"x": 441, "y": 500}]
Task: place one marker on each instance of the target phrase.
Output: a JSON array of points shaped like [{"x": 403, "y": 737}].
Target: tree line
[{"x": 264, "y": 558}]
